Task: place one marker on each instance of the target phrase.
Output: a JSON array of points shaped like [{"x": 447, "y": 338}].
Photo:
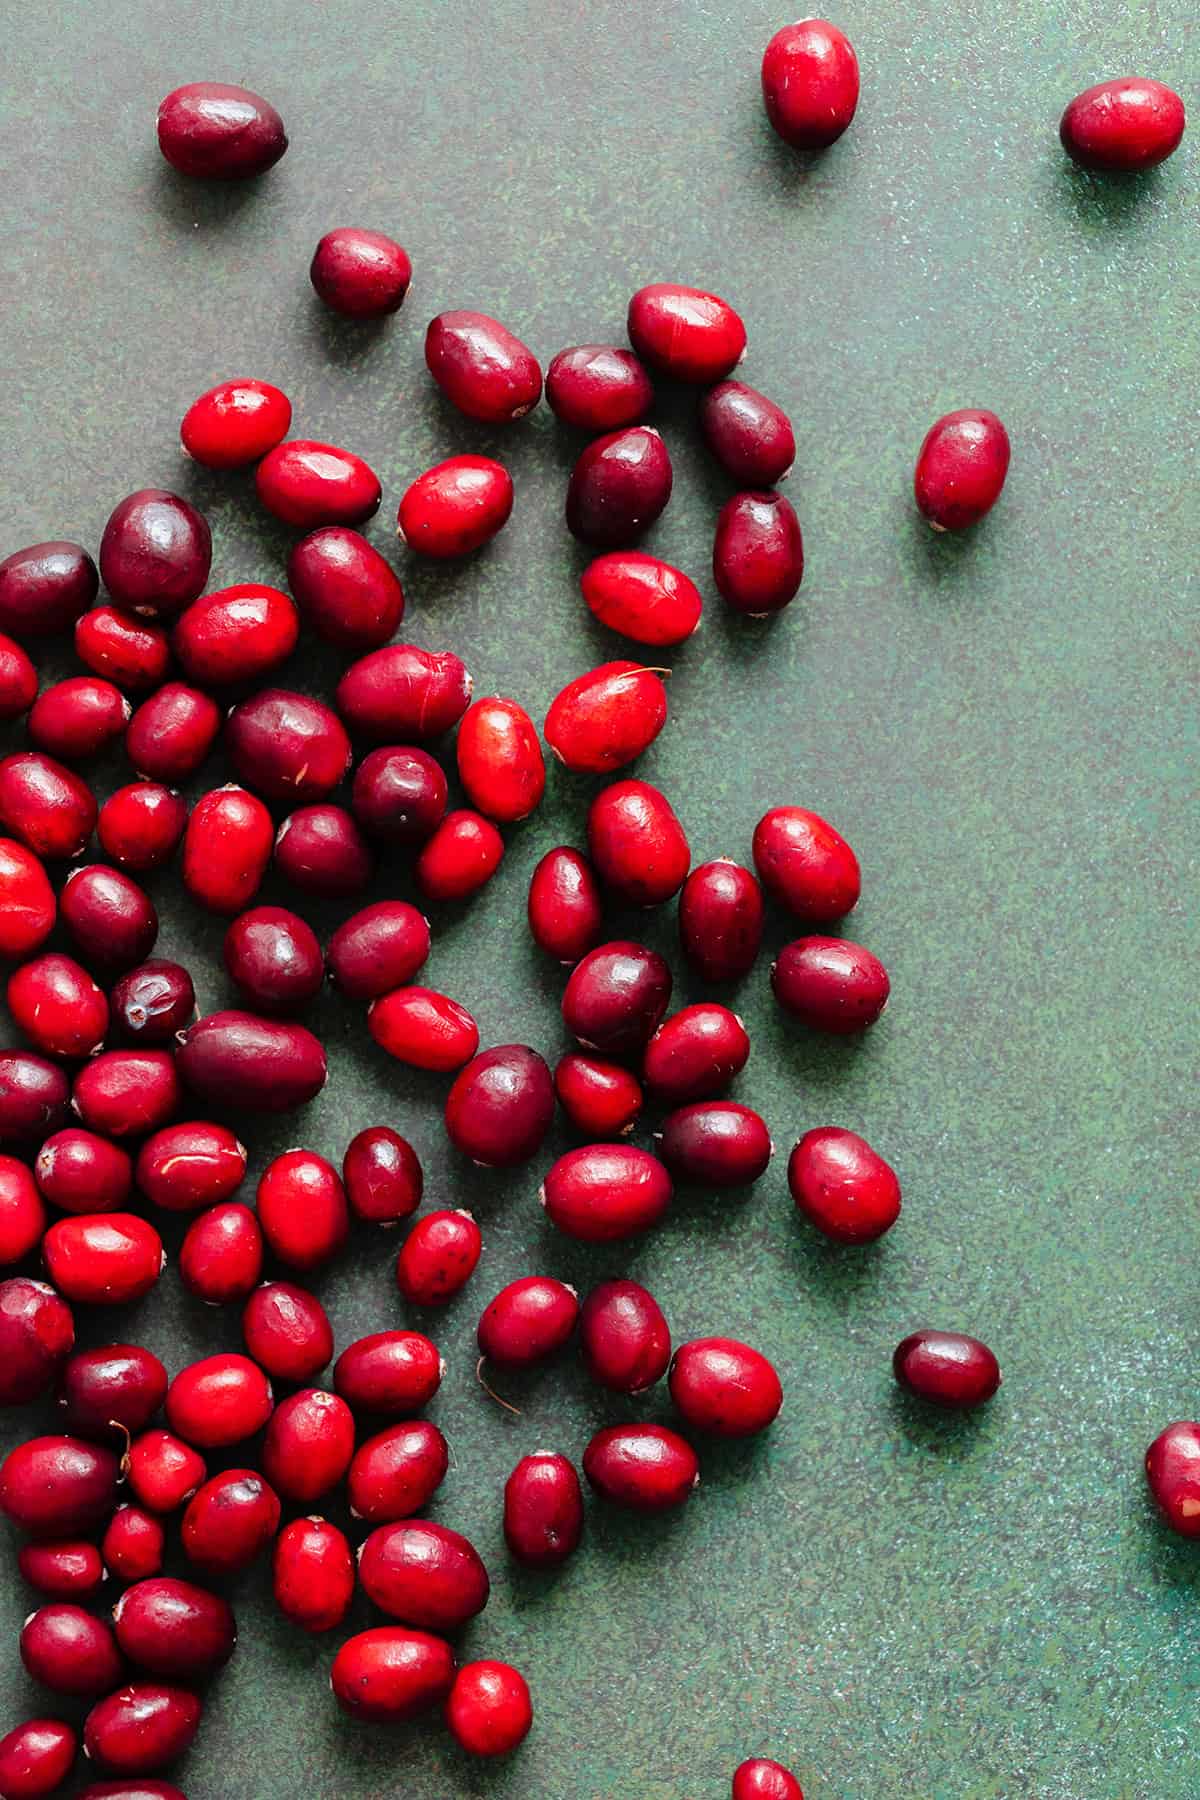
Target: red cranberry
[
  {"x": 403, "y": 693},
  {"x": 761, "y": 1779},
  {"x": 140, "y": 825},
  {"x": 78, "y": 718},
  {"x": 134, "y": 1544},
  {"x": 489, "y": 1711},
  {"x": 307, "y": 483},
  {"x": 946, "y": 1367},
  {"x": 153, "y": 1002},
  {"x": 399, "y": 795},
  {"x": 45, "y": 588},
  {"x": 320, "y": 850},
  {"x": 618, "y": 487},
  {"x": 172, "y": 732},
  {"x": 142, "y": 1727},
  {"x": 715, "y": 1144},
  {"x": 129, "y": 651},
  {"x": 302, "y": 1209},
  {"x": 288, "y": 747},
  {"x": 229, "y": 1522},
  {"x": 543, "y": 1510},
  {"x": 438, "y": 1257},
  {"x": 616, "y": 997},
  {"x": 461, "y": 857},
  {"x": 127, "y": 1093},
  {"x": 18, "y": 680},
  {"x": 80, "y": 1172},
  {"x": 500, "y": 760},
  {"x": 456, "y": 507},
  {"x": 423, "y": 1028},
  {"x": 313, "y": 1575},
  {"x": 260, "y": 1065},
  {"x": 163, "y": 1471},
  {"x": 235, "y": 423},
  {"x": 112, "y": 919},
  {"x": 236, "y": 634},
  {"x": 390, "y": 1372},
  {"x": 70, "y": 1650},
  {"x": 382, "y": 1176},
  {"x": 597, "y": 387},
  {"x": 637, "y": 844},
  {"x": 685, "y": 333},
  {"x": 287, "y": 1331},
  {"x": 218, "y": 1401},
  {"x": 45, "y": 805},
  {"x": 527, "y": 1321},
  {"x": 605, "y": 1192},
  {"x": 396, "y": 1473},
  {"x": 22, "y": 1214},
  {"x": 362, "y": 274},
  {"x": 501, "y": 1106},
  {"x": 695, "y": 1054},
  {"x": 601, "y": 1099},
  {"x": 830, "y": 984},
  {"x": 109, "y": 1259},
  {"x": 220, "y": 132},
  {"x": 961, "y": 469},
  {"x": 58, "y": 1006},
  {"x": 625, "y": 1339},
  {"x": 642, "y": 597},
  {"x": 65, "y": 1570},
  {"x": 842, "y": 1186},
  {"x": 36, "y": 1333},
  {"x": 748, "y": 434},
  {"x": 348, "y": 592},
  {"x": 423, "y": 1574},
  {"x": 758, "y": 553},
  {"x": 58, "y": 1487},
  {"x": 378, "y": 949},
  {"x": 308, "y": 1445},
  {"x": 606, "y": 718},
  {"x": 1173, "y": 1471},
  {"x": 810, "y": 83},
  {"x": 724, "y": 1388},
  {"x": 389, "y": 1673},
  {"x": 155, "y": 553},
  {"x": 481, "y": 367},
  {"x": 221, "y": 1256},
  {"x": 274, "y": 959},
  {"x": 27, "y": 905},
  {"x": 806, "y": 865},
  {"x": 721, "y": 920},
  {"x": 36, "y": 1758},
  {"x": 33, "y": 1096},
  {"x": 112, "y": 1393},
  {"x": 186, "y": 1167},
  {"x": 565, "y": 910},
  {"x": 1123, "y": 125},
  {"x": 647, "y": 1468}
]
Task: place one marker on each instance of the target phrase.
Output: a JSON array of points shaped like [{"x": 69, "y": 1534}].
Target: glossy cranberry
[
  {"x": 527, "y": 1321},
  {"x": 140, "y": 825},
  {"x": 500, "y": 1108},
  {"x": 695, "y": 1054},
  {"x": 648, "y": 1468},
  {"x": 625, "y": 1339},
  {"x": 45, "y": 805},
  {"x": 103, "y": 1259},
  {"x": 69, "y": 1650},
  {"x": 388, "y": 1674},
  {"x": 27, "y": 905},
  {"x": 22, "y": 1213},
  {"x": 637, "y": 844},
  {"x": 229, "y": 1522},
  {"x": 842, "y": 1186},
  {"x": 456, "y": 507},
  {"x": 302, "y": 1209},
  {"x": 127, "y": 1093},
  {"x": 112, "y": 920},
  {"x": 724, "y": 1388},
  {"x": 163, "y": 1471},
  {"x": 348, "y": 592},
  {"x": 461, "y": 857},
  {"x": 155, "y": 553},
  {"x": 946, "y": 1367},
  {"x": 58, "y": 1006},
  {"x": 307, "y": 483},
  {"x": 616, "y": 997},
  {"x": 287, "y": 1331},
  {"x": 438, "y": 1257},
  {"x": 221, "y": 1256},
  {"x": 391, "y": 1372},
  {"x": 598, "y": 387},
  {"x": 758, "y": 553},
  {"x": 58, "y": 1487},
  {"x": 33, "y": 1096},
  {"x": 721, "y": 920},
  {"x": 36, "y": 1334},
  {"x": 715, "y": 1144},
  {"x": 259, "y": 1065},
  {"x": 320, "y": 850},
  {"x": 642, "y": 597},
  {"x": 18, "y": 679},
  {"x": 685, "y": 333},
  {"x": 830, "y": 984},
  {"x": 362, "y": 274},
  {"x": 500, "y": 760},
  {"x": 134, "y": 1544},
  {"x": 43, "y": 589},
  {"x": 172, "y": 732},
  {"x": 1173, "y": 1471},
  {"x": 606, "y": 718},
  {"x": 604, "y": 1192},
  {"x": 565, "y": 910},
  {"x": 308, "y": 1445},
  {"x": 748, "y": 434},
  {"x": 218, "y": 1401},
  {"x": 36, "y": 1758},
  {"x": 396, "y": 1473},
  {"x": 1122, "y": 125},
  {"x": 288, "y": 747},
  {"x": 423, "y": 1574},
  {"x": 399, "y": 795},
  {"x": 806, "y": 865},
  {"x": 378, "y": 949},
  {"x": 112, "y": 1393},
  {"x": 219, "y": 132},
  {"x": 810, "y": 84},
  {"x": 601, "y": 1099},
  {"x": 423, "y": 1028},
  {"x": 235, "y": 423},
  {"x": 274, "y": 960},
  {"x": 761, "y": 1779},
  {"x": 80, "y": 1172},
  {"x": 142, "y": 1727},
  {"x": 481, "y": 367},
  {"x": 126, "y": 650},
  {"x": 67, "y": 1570},
  {"x": 186, "y": 1167},
  {"x": 236, "y": 634},
  {"x": 543, "y": 1510},
  {"x": 78, "y": 718},
  {"x": 313, "y": 1575},
  {"x": 489, "y": 1711},
  {"x": 961, "y": 469},
  {"x": 618, "y": 487},
  {"x": 404, "y": 694},
  {"x": 153, "y": 1002}
]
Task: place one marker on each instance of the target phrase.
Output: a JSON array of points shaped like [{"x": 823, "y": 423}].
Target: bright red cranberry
[
  {"x": 748, "y": 434},
  {"x": 69, "y": 1650},
  {"x": 219, "y": 132},
  {"x": 456, "y": 507},
  {"x": 163, "y": 1471},
  {"x": 45, "y": 588},
  {"x": 140, "y": 825},
  {"x": 127, "y": 1093},
  {"x": 67, "y": 1570},
  {"x": 724, "y": 1388},
  {"x": 308, "y": 1445},
  {"x": 320, "y": 850},
  {"x": 174, "y": 1628},
  {"x": 348, "y": 592},
  {"x": 391, "y": 1372},
  {"x": 601, "y": 1099},
  {"x": 961, "y": 469},
  {"x": 58, "y": 1006},
  {"x": 27, "y": 904},
  {"x": 481, "y": 367},
  {"x": 186, "y": 1167},
  {"x": 155, "y": 553},
  {"x": 229, "y": 1522},
  {"x": 606, "y": 718},
  {"x": 378, "y": 949},
  {"x": 489, "y": 1711},
  {"x": 565, "y": 910},
  {"x": 129, "y": 651},
  {"x": 404, "y": 694},
  {"x": 423, "y": 1028},
  {"x": 842, "y": 1186},
  {"x": 143, "y": 1727},
  {"x": 399, "y": 795},
  {"x": 18, "y": 679},
  {"x": 274, "y": 960},
  {"x": 605, "y": 1192},
  {"x": 830, "y": 984},
  {"x": 642, "y": 597},
  {"x": 22, "y": 1212},
  {"x": 45, "y": 805},
  {"x": 313, "y": 1576},
  {"x": 527, "y": 1321},
  {"x": 80, "y": 1172},
  {"x": 236, "y": 635},
  {"x": 361, "y": 274},
  {"x": 625, "y": 1339},
  {"x": 134, "y": 1544},
  {"x": 1122, "y": 125},
  {"x": 221, "y": 1256},
  {"x": 598, "y": 387},
  {"x": 302, "y": 1209},
  {"x": 500, "y": 1108},
  {"x": 1173, "y": 1471},
  {"x": 153, "y": 1002},
  {"x": 288, "y": 747},
  {"x": 36, "y": 1334},
  {"x": 36, "y": 1758},
  {"x": 235, "y": 423},
  {"x": 382, "y": 1176},
  {"x": 543, "y": 1510},
  {"x": 396, "y": 1473},
  {"x": 388, "y": 1673},
  {"x": 79, "y": 718},
  {"x": 259, "y": 1065},
  {"x": 715, "y": 1144},
  {"x": 806, "y": 865},
  {"x": 648, "y": 1468},
  {"x": 758, "y": 553},
  {"x": 695, "y": 1054},
  {"x": 946, "y": 1367},
  {"x": 112, "y": 1393},
  {"x": 287, "y": 1331},
  {"x": 218, "y": 1401},
  {"x": 438, "y": 1257},
  {"x": 306, "y": 483},
  {"x": 33, "y": 1096},
  {"x": 423, "y": 1574},
  {"x": 109, "y": 1259},
  {"x": 461, "y": 857},
  {"x": 500, "y": 760},
  {"x": 172, "y": 732},
  {"x": 637, "y": 844},
  {"x": 721, "y": 920},
  {"x": 810, "y": 83},
  {"x": 761, "y": 1779},
  {"x": 112, "y": 920},
  {"x": 58, "y": 1487},
  {"x": 615, "y": 998},
  {"x": 618, "y": 487},
  {"x": 685, "y": 333}
]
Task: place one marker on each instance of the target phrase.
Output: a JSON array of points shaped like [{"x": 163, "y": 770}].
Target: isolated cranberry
[
  {"x": 489, "y": 1711},
  {"x": 616, "y": 996},
  {"x": 391, "y": 1372},
  {"x": 36, "y": 1334},
  {"x": 601, "y": 1099},
  {"x": 219, "y": 132},
  {"x": 348, "y": 592},
  {"x": 110, "y": 1259},
  {"x": 313, "y": 1575},
  {"x": 218, "y": 1401},
  {"x": 527, "y": 1321},
  {"x": 642, "y": 597},
  {"x": 259, "y": 1065},
  {"x": 307, "y": 483},
  {"x": 695, "y": 1054},
  {"x": 748, "y": 434},
  {"x": 438, "y": 1257},
  {"x": 221, "y": 1256},
  {"x": 721, "y": 920},
  {"x": 399, "y": 795},
  {"x": 143, "y": 1727},
  {"x": 426, "y": 1029},
  {"x": 66, "y": 1570},
  {"x": 604, "y": 1192},
  {"x": 598, "y": 387},
  {"x": 229, "y": 1522},
  {"x": 625, "y": 1339},
  {"x": 842, "y": 1186},
  {"x": 151, "y": 1003},
  {"x": 961, "y": 469},
  {"x": 186, "y": 1167},
  {"x": 500, "y": 1108},
  {"x": 133, "y": 1544},
  {"x": 78, "y": 718},
  {"x": 362, "y": 274},
  {"x": 18, "y": 679},
  {"x": 288, "y": 747},
  {"x": 403, "y": 693},
  {"x": 830, "y": 984},
  {"x": 112, "y": 920},
  {"x": 1173, "y": 1471},
  {"x": 606, "y": 718},
  {"x": 481, "y": 367},
  {"x": 80, "y": 1172},
  {"x": 423, "y": 1574},
  {"x": 45, "y": 805},
  {"x": 302, "y": 1209},
  {"x": 69, "y": 1650},
  {"x": 174, "y": 1628},
  {"x": 388, "y": 1673},
  {"x": 287, "y": 1331},
  {"x": 724, "y": 1388},
  {"x": 44, "y": 588},
  {"x": 320, "y": 850},
  {"x": 806, "y": 865},
  {"x": 129, "y": 651},
  {"x": 58, "y": 1487},
  {"x": 22, "y": 1213},
  {"x": 761, "y": 1779},
  {"x": 235, "y": 423},
  {"x": 758, "y": 553},
  {"x": 810, "y": 84},
  {"x": 155, "y": 553},
  {"x": 565, "y": 910},
  {"x": 33, "y": 1096},
  {"x": 618, "y": 487},
  {"x": 637, "y": 844},
  {"x": 648, "y": 1468},
  {"x": 715, "y": 1144},
  {"x": 127, "y": 1093},
  {"x": 36, "y": 1758},
  {"x": 396, "y": 1473},
  {"x": 543, "y": 1510},
  {"x": 456, "y": 507},
  {"x": 274, "y": 960},
  {"x": 946, "y": 1367},
  {"x": 172, "y": 732},
  {"x": 27, "y": 904},
  {"x": 163, "y": 1471},
  {"x": 461, "y": 857},
  {"x": 58, "y": 1006},
  {"x": 1122, "y": 125},
  {"x": 140, "y": 825},
  {"x": 308, "y": 1445},
  {"x": 500, "y": 759},
  {"x": 236, "y": 635},
  {"x": 378, "y": 949},
  {"x": 111, "y": 1393}
]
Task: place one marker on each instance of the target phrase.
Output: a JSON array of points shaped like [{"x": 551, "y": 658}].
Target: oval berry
[
  {"x": 22, "y": 1213},
  {"x": 134, "y": 1544},
  {"x": 685, "y": 333},
  {"x": 715, "y": 1144},
  {"x": 695, "y": 1054},
  {"x": 348, "y": 592},
  {"x": 961, "y": 469},
  {"x": 543, "y": 1510},
  {"x": 240, "y": 1060},
  {"x": 438, "y": 1257},
  {"x": 219, "y": 132},
  {"x": 597, "y": 387},
  {"x": 287, "y": 1331},
  {"x": 175, "y": 1628},
  {"x": 1173, "y": 1472},
  {"x": 481, "y": 367},
  {"x": 616, "y": 996},
  {"x": 236, "y": 634},
  {"x": 58, "y": 1006},
  {"x": 44, "y": 589},
  {"x": 842, "y": 1186},
  {"x": 27, "y": 904},
  {"x": 143, "y": 1727},
  {"x": 528, "y": 1320},
  {"x": 229, "y": 1522},
  {"x": 810, "y": 83},
  {"x": 127, "y": 1093},
  {"x": 424, "y": 1029},
  {"x": 565, "y": 910},
  {"x": 389, "y": 1673},
  {"x": 321, "y": 850},
  {"x": 163, "y": 1471},
  {"x": 37, "y": 1331},
  {"x": 313, "y": 1575},
  {"x": 33, "y": 1096},
  {"x": 618, "y": 487},
  {"x": 58, "y": 1487},
  {"x": 637, "y": 844},
  {"x": 761, "y": 1779},
  {"x": 45, "y": 805},
  {"x": 69, "y": 1650},
  {"x": 308, "y": 1445},
  {"x": 624, "y": 1336},
  {"x": 830, "y": 984},
  {"x": 642, "y": 597},
  {"x": 221, "y": 1256},
  {"x": 806, "y": 865},
  {"x": 647, "y": 1468},
  {"x": 423, "y": 1574},
  {"x": 403, "y": 694},
  {"x": 748, "y": 434},
  {"x": 947, "y": 1367},
  {"x": 129, "y": 651},
  {"x": 501, "y": 1106},
  {"x": 235, "y": 423},
  {"x": 397, "y": 1472},
  {"x": 112, "y": 920},
  {"x": 489, "y": 1711},
  {"x": 65, "y": 1570},
  {"x": 19, "y": 678},
  {"x": 288, "y": 747},
  {"x": 605, "y": 1192},
  {"x": 382, "y": 1176},
  {"x": 378, "y": 949},
  {"x": 172, "y": 732},
  {"x": 391, "y": 1373},
  {"x": 111, "y": 1393},
  {"x": 79, "y": 718},
  {"x": 601, "y": 1099},
  {"x": 500, "y": 760},
  {"x": 155, "y": 553},
  {"x": 186, "y": 1167},
  {"x": 80, "y": 1172},
  {"x": 461, "y": 857},
  {"x": 360, "y": 274},
  {"x": 606, "y": 718},
  {"x": 36, "y": 1758},
  {"x": 218, "y": 1401},
  {"x": 109, "y": 1259},
  {"x": 724, "y": 1388},
  {"x": 1123, "y": 125},
  {"x": 399, "y": 795},
  {"x": 274, "y": 960},
  {"x": 302, "y": 1209},
  {"x": 226, "y": 849},
  {"x": 456, "y": 507},
  {"x": 152, "y": 1003},
  {"x": 758, "y": 553},
  {"x": 721, "y": 920},
  {"x": 140, "y": 826}
]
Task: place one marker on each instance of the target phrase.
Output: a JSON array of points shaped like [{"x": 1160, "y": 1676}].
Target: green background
[{"x": 1004, "y": 725}]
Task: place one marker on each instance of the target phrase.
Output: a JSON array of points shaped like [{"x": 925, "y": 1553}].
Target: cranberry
[
  {"x": 112, "y": 1393},
  {"x": 616, "y": 997},
  {"x": 456, "y": 507},
  {"x": 185, "y": 1167},
  {"x": 565, "y": 910},
  {"x": 685, "y": 333},
  {"x": 33, "y": 1096},
  {"x": 481, "y": 367},
  {"x": 112, "y": 920},
  {"x": 637, "y": 844},
  {"x": 142, "y": 1727},
  {"x": 362, "y": 274},
  {"x": 58, "y": 1487},
  {"x": 724, "y": 1388},
  {"x": 423, "y": 1574},
  {"x": 501, "y": 1106},
  {"x": 390, "y": 1372},
  {"x": 70, "y": 1651},
  {"x": 109, "y": 1259},
  {"x": 274, "y": 959},
  {"x": 721, "y": 920},
  {"x": 308, "y": 1445},
  {"x": 1123, "y": 125},
  {"x": 218, "y": 1401},
  {"x": 78, "y": 718},
  {"x": 81, "y": 1172},
  {"x": 716, "y": 1144},
  {"x": 389, "y": 1673},
  {"x": 140, "y": 825},
  {"x": 830, "y": 984},
  {"x": 423, "y": 1028},
  {"x": 45, "y": 588},
  {"x": 647, "y": 1468},
  {"x": 601, "y": 1099},
  {"x": 527, "y": 1321},
  {"x": 313, "y": 1574},
  {"x": 36, "y": 1334},
  {"x": 220, "y": 132},
  {"x": 806, "y": 865},
  {"x": 605, "y": 1192},
  {"x": 598, "y": 387},
  {"x": 438, "y": 1257},
  {"x": 235, "y": 423},
  {"x": 404, "y": 693},
  {"x": 397, "y": 1472},
  {"x": 842, "y": 1186},
  {"x": 543, "y": 1510},
  {"x": 758, "y": 553},
  {"x": 221, "y": 1256},
  {"x": 642, "y": 597},
  {"x": 226, "y": 849},
  {"x": 229, "y": 1522},
  {"x": 172, "y": 732},
  {"x": 18, "y": 680},
  {"x": 27, "y": 905},
  {"x": 378, "y": 949},
  {"x": 155, "y": 553},
  {"x": 127, "y": 1093},
  {"x": 761, "y": 1779},
  {"x": 134, "y": 1544},
  {"x": 36, "y": 1758},
  {"x": 302, "y": 1209},
  {"x": 288, "y": 747},
  {"x": 695, "y": 1054},
  {"x": 22, "y": 1214},
  {"x": 65, "y": 1570},
  {"x": 58, "y": 1006},
  {"x": 236, "y": 634},
  {"x": 163, "y": 1471},
  {"x": 625, "y": 1339},
  {"x": 260, "y": 1065},
  {"x": 748, "y": 434},
  {"x": 500, "y": 760},
  {"x": 1173, "y": 1471},
  {"x": 307, "y": 483},
  {"x": 618, "y": 487},
  {"x": 127, "y": 650},
  {"x": 810, "y": 84},
  {"x": 152, "y": 1003},
  {"x": 946, "y": 1367},
  {"x": 320, "y": 850},
  {"x": 461, "y": 857},
  {"x": 399, "y": 795},
  {"x": 606, "y": 718},
  {"x": 287, "y": 1331},
  {"x": 348, "y": 592},
  {"x": 45, "y": 805},
  {"x": 961, "y": 469},
  {"x": 489, "y": 1711}
]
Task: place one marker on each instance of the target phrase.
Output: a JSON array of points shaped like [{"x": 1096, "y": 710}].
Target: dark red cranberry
[
  {"x": 36, "y": 1758},
  {"x": 637, "y": 844},
  {"x": 489, "y": 1711},
  {"x": 565, "y": 911},
  {"x": 348, "y": 592},
  {"x": 58, "y": 1487},
  {"x": 18, "y": 680},
  {"x": 143, "y": 1727},
  {"x": 112, "y": 1393},
  {"x": 842, "y": 1186},
  {"x": 140, "y": 825},
  {"x": 70, "y": 1650},
  {"x": 58, "y": 1006},
  {"x": 618, "y": 487},
  {"x": 308, "y": 1445},
  {"x": 604, "y": 1192},
  {"x": 172, "y": 732},
  {"x": 320, "y": 850},
  {"x": 724, "y": 1388},
  {"x": 33, "y": 1097},
  {"x": 129, "y": 651},
  {"x": 423, "y": 1574},
  {"x": 313, "y": 1575},
  {"x": 806, "y": 865},
  {"x": 456, "y": 507},
  {"x": 155, "y": 553},
  {"x": 240, "y": 1060},
  {"x": 500, "y": 1108},
  {"x": 67, "y": 1570},
  {"x": 423, "y": 1028},
  {"x": 396, "y": 1473},
  {"x": 78, "y": 718},
  {"x": 961, "y": 469},
  {"x": 606, "y": 718},
  {"x": 758, "y": 553},
  {"x": 715, "y": 1144},
  {"x": 163, "y": 1471},
  {"x": 642, "y": 597},
  {"x": 388, "y": 1673},
  {"x": 500, "y": 760},
  {"x": 404, "y": 694},
  {"x": 382, "y": 1176},
  {"x": 625, "y": 1339},
  {"x": 287, "y": 1331},
  {"x": 229, "y": 1522},
  {"x": 127, "y": 1093},
  {"x": 45, "y": 588},
  {"x": 721, "y": 920},
  {"x": 1173, "y": 1471},
  {"x": 218, "y": 1401},
  {"x": 109, "y": 1259},
  {"x": 390, "y": 1372},
  {"x": 810, "y": 83},
  {"x": 112, "y": 920},
  {"x": 461, "y": 857},
  {"x": 1123, "y": 125},
  {"x": 748, "y": 434},
  {"x": 219, "y": 132},
  {"x": 36, "y": 1334},
  {"x": 302, "y": 1209},
  {"x": 80, "y": 1172},
  {"x": 362, "y": 274},
  {"x": 830, "y": 984},
  {"x": 221, "y": 1256},
  {"x": 153, "y": 1002},
  {"x": 307, "y": 483},
  {"x": 616, "y": 996},
  {"x": 481, "y": 367},
  {"x": 761, "y": 1779},
  {"x": 27, "y": 904},
  {"x": 597, "y": 387},
  {"x": 274, "y": 960},
  {"x": 45, "y": 805},
  {"x": 186, "y": 1167},
  {"x": 946, "y": 1367},
  {"x": 695, "y": 1054},
  {"x": 438, "y": 1257},
  {"x": 22, "y": 1212},
  {"x": 236, "y": 634},
  {"x": 527, "y": 1321},
  {"x": 685, "y": 333},
  {"x": 134, "y": 1544},
  {"x": 399, "y": 795},
  {"x": 543, "y": 1510},
  {"x": 288, "y": 747},
  {"x": 378, "y": 949},
  {"x": 601, "y": 1099},
  {"x": 235, "y": 423},
  {"x": 647, "y": 1468}
]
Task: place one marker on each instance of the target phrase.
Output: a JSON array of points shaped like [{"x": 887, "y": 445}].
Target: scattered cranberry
[
  {"x": 109, "y": 1259},
  {"x": 761, "y": 1779},
  {"x": 721, "y": 920},
  {"x": 174, "y": 1628},
  {"x": 648, "y": 1468},
  {"x": 229, "y": 1522},
  {"x": 842, "y": 1186},
  {"x": 606, "y": 718},
  {"x": 601, "y": 1099},
  {"x": 438, "y": 1257},
  {"x": 642, "y": 597},
  {"x": 127, "y": 1093},
  {"x": 302, "y": 1209},
  {"x": 58, "y": 1006},
  {"x": 308, "y": 1445},
  {"x": 424, "y": 1029},
  {"x": 155, "y": 553},
  {"x": 598, "y": 387},
  {"x": 129, "y": 651},
  {"x": 500, "y": 1108},
  {"x": 461, "y": 857},
  {"x": 1123, "y": 125},
  {"x": 172, "y": 732},
  {"x": 112, "y": 1393},
  {"x": 67, "y": 1570},
  {"x": 625, "y": 1339},
  {"x": 36, "y": 1758},
  {"x": 758, "y": 553},
  {"x": 362, "y": 274},
  {"x": 616, "y": 996},
  {"x": 235, "y": 423},
  {"x": 45, "y": 805},
  {"x": 806, "y": 865},
  {"x": 18, "y": 680},
  {"x": 348, "y": 592},
  {"x": 543, "y": 1510},
  {"x": 27, "y": 904},
  {"x": 288, "y": 747},
  {"x": 37, "y": 1332},
  {"x": 489, "y": 1711},
  {"x": 287, "y": 1331},
  {"x": 112, "y": 920},
  {"x": 423, "y": 1574},
  {"x": 961, "y": 469},
  {"x": 378, "y": 949},
  {"x": 618, "y": 487},
  {"x": 236, "y": 635},
  {"x": 724, "y": 1388},
  {"x": 218, "y": 1401},
  {"x": 748, "y": 434},
  {"x": 565, "y": 910},
  {"x": 1173, "y": 1471},
  {"x": 382, "y": 1176},
  {"x": 58, "y": 1487},
  {"x": 715, "y": 1144},
  {"x": 313, "y": 1575},
  {"x": 390, "y": 1372},
  {"x": 45, "y": 588},
  {"x": 527, "y": 1321},
  {"x": 306, "y": 483},
  {"x": 399, "y": 795},
  {"x": 389, "y": 1673},
  {"x": 605, "y": 1192},
  {"x": 274, "y": 960},
  {"x": 163, "y": 1471},
  {"x": 695, "y": 1054},
  {"x": 153, "y": 1002},
  {"x": 140, "y": 825},
  {"x": 403, "y": 693},
  {"x": 500, "y": 760},
  {"x": 396, "y": 1473},
  {"x": 830, "y": 984},
  {"x": 69, "y": 1650},
  {"x": 33, "y": 1096},
  {"x": 142, "y": 1727},
  {"x": 810, "y": 83},
  {"x": 481, "y": 367},
  {"x": 186, "y": 1167},
  {"x": 134, "y": 1544},
  {"x": 220, "y": 132},
  {"x": 221, "y": 1256},
  {"x": 637, "y": 844},
  {"x": 22, "y": 1212},
  {"x": 320, "y": 850},
  {"x": 79, "y": 718},
  {"x": 685, "y": 333},
  {"x": 260, "y": 1065},
  {"x": 946, "y": 1367},
  {"x": 456, "y": 507}
]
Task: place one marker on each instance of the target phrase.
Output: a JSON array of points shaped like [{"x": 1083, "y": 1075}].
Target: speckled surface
[{"x": 1003, "y": 725}]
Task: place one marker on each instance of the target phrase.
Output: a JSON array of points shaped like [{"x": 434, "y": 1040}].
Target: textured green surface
[{"x": 1003, "y": 725}]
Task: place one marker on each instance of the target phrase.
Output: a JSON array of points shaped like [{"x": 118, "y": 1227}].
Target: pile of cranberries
[{"x": 117, "y": 1106}]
